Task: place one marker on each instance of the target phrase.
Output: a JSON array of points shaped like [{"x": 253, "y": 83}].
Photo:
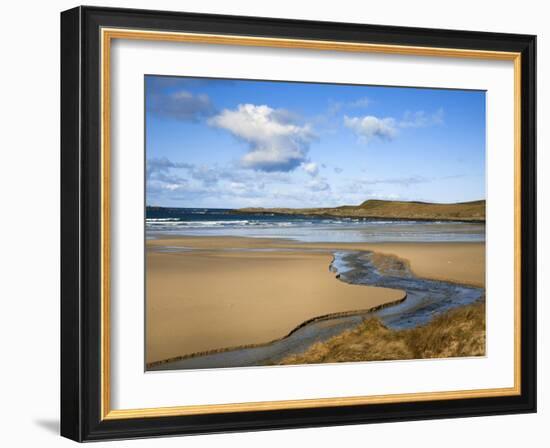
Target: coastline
[
  {"x": 473, "y": 211},
  {"x": 447, "y": 219},
  {"x": 456, "y": 262},
  {"x": 275, "y": 269}
]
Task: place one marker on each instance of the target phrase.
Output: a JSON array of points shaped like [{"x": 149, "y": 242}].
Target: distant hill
[{"x": 377, "y": 209}]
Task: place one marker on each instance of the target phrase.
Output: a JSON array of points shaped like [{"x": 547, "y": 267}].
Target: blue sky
[{"x": 236, "y": 143}]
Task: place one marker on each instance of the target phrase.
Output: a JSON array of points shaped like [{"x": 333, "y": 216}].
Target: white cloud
[
  {"x": 200, "y": 185},
  {"x": 311, "y": 168},
  {"x": 370, "y": 127},
  {"x": 277, "y": 142},
  {"x": 158, "y": 169}
]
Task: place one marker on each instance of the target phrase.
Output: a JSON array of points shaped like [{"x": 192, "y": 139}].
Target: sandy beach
[{"x": 208, "y": 293}]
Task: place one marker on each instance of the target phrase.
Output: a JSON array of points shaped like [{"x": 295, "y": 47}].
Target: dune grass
[
  {"x": 457, "y": 333},
  {"x": 381, "y": 209}
]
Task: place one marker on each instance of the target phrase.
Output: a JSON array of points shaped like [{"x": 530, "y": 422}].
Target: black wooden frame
[{"x": 80, "y": 224}]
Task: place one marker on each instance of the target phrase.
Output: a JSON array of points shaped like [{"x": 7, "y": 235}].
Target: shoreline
[
  {"x": 252, "y": 297},
  {"x": 365, "y": 218},
  {"x": 414, "y": 253},
  {"x": 222, "y": 252},
  {"x": 469, "y": 211}
]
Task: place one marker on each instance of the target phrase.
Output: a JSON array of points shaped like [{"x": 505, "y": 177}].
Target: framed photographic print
[{"x": 276, "y": 224}]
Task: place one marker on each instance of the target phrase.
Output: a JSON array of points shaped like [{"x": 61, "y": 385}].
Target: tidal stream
[{"x": 425, "y": 299}]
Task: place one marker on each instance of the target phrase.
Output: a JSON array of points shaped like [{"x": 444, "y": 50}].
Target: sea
[{"x": 311, "y": 229}]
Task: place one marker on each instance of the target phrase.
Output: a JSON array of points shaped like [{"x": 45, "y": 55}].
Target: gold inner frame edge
[{"x": 107, "y": 35}]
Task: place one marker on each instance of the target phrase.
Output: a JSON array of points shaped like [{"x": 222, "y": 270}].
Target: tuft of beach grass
[{"x": 458, "y": 333}]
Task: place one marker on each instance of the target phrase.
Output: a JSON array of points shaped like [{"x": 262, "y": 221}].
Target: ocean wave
[
  {"x": 198, "y": 224},
  {"x": 263, "y": 223},
  {"x": 174, "y": 222}
]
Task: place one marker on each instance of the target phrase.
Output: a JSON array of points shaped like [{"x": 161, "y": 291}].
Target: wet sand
[{"x": 228, "y": 292}]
